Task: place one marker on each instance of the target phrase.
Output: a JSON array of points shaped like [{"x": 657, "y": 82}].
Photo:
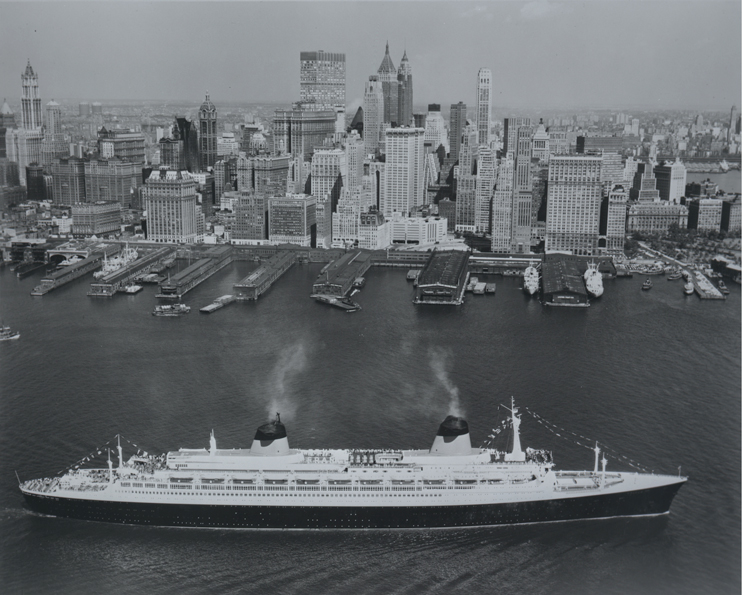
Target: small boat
[
  {"x": 171, "y": 310},
  {"x": 647, "y": 284},
  {"x": 133, "y": 288},
  {"x": 723, "y": 287},
  {"x": 674, "y": 275},
  {"x": 689, "y": 288},
  {"x": 359, "y": 282},
  {"x": 7, "y": 335},
  {"x": 344, "y": 303}
]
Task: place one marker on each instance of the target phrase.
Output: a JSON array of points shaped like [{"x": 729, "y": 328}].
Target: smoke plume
[
  {"x": 441, "y": 362},
  {"x": 291, "y": 361}
]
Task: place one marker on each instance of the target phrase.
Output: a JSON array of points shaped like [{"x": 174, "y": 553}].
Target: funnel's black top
[
  {"x": 271, "y": 431},
  {"x": 453, "y": 426}
]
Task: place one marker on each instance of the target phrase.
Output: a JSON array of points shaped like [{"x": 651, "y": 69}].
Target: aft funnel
[
  {"x": 452, "y": 437},
  {"x": 270, "y": 439}
]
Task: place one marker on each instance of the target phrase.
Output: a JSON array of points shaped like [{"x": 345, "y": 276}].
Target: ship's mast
[
  {"x": 121, "y": 454},
  {"x": 212, "y": 444},
  {"x": 110, "y": 467},
  {"x": 516, "y": 455},
  {"x": 597, "y": 454}
]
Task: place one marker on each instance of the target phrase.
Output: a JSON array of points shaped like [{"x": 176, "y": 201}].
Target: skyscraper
[
  {"x": 373, "y": 114},
  {"x": 404, "y": 80},
  {"x": 457, "y": 124},
  {"x": 522, "y": 191},
  {"x": 671, "y": 178},
  {"x": 616, "y": 219},
  {"x": 403, "y": 179},
  {"x": 30, "y": 100},
  {"x": 573, "y": 204},
  {"x": 502, "y": 207},
  {"x": 170, "y": 200},
  {"x": 53, "y": 118},
  {"x": 291, "y": 219},
  {"x": 510, "y": 133},
  {"x": 484, "y": 105},
  {"x": 466, "y": 182},
  {"x": 207, "y": 133},
  {"x": 486, "y": 178},
  {"x": 435, "y": 127},
  {"x": 322, "y": 80},
  {"x": 390, "y": 86}
]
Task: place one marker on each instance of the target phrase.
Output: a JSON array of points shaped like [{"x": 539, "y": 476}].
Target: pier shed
[
  {"x": 260, "y": 280},
  {"x": 337, "y": 278},
  {"x": 215, "y": 259},
  {"x": 562, "y": 284},
  {"x": 443, "y": 278}
]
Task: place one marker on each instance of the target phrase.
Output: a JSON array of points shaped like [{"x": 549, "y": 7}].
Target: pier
[
  {"x": 443, "y": 279},
  {"x": 118, "y": 280},
  {"x": 215, "y": 259},
  {"x": 562, "y": 284},
  {"x": 338, "y": 277},
  {"x": 74, "y": 271},
  {"x": 260, "y": 280},
  {"x": 704, "y": 288},
  {"x": 218, "y": 303}
]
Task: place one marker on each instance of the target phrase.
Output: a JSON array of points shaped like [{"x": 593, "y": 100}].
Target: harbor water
[{"x": 655, "y": 375}]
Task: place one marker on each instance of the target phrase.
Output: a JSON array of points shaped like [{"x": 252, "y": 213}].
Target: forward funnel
[
  {"x": 452, "y": 437},
  {"x": 270, "y": 439}
]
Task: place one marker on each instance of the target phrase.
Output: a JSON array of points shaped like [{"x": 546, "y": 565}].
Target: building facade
[
  {"x": 171, "y": 204},
  {"x": 291, "y": 219},
  {"x": 299, "y": 132},
  {"x": 96, "y": 218},
  {"x": 68, "y": 181},
  {"x": 207, "y": 134},
  {"x": 404, "y": 91},
  {"x": 615, "y": 235},
  {"x": 484, "y": 105},
  {"x": 122, "y": 143},
  {"x": 30, "y": 100},
  {"x": 112, "y": 180},
  {"x": 373, "y": 114},
  {"x": 404, "y": 172},
  {"x": 457, "y": 123},
  {"x": 390, "y": 88},
  {"x": 322, "y": 80}
]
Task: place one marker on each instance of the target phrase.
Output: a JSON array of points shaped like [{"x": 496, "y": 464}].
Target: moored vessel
[
  {"x": 723, "y": 287},
  {"x": 344, "y": 303},
  {"x": 689, "y": 288},
  {"x": 126, "y": 257},
  {"x": 171, "y": 310},
  {"x": 271, "y": 485},
  {"x": 647, "y": 284},
  {"x": 593, "y": 280},
  {"x": 530, "y": 279}
]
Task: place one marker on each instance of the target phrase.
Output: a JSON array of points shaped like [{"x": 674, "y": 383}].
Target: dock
[
  {"x": 215, "y": 259},
  {"x": 118, "y": 280},
  {"x": 443, "y": 278},
  {"x": 704, "y": 288},
  {"x": 563, "y": 285},
  {"x": 260, "y": 280},
  {"x": 338, "y": 278},
  {"x": 74, "y": 271},
  {"x": 218, "y": 303}
]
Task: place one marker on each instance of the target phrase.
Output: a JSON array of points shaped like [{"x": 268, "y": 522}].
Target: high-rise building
[
  {"x": 354, "y": 156},
  {"x": 373, "y": 114},
  {"x": 466, "y": 181},
  {"x": 404, "y": 90},
  {"x": 648, "y": 185},
  {"x": 291, "y": 219},
  {"x": 24, "y": 147},
  {"x": 510, "y": 133},
  {"x": 435, "y": 128},
  {"x": 84, "y": 109},
  {"x": 484, "y": 105},
  {"x": 170, "y": 201},
  {"x": 404, "y": 187},
  {"x": 502, "y": 207},
  {"x": 671, "y": 178},
  {"x": 121, "y": 143},
  {"x": 322, "y": 80},
  {"x": 522, "y": 191},
  {"x": 615, "y": 234},
  {"x": 68, "y": 181},
  {"x": 328, "y": 177},
  {"x": 346, "y": 219},
  {"x": 207, "y": 118},
  {"x": 457, "y": 123},
  {"x": 188, "y": 134},
  {"x": 390, "y": 86},
  {"x": 732, "y": 123},
  {"x": 573, "y": 204},
  {"x": 251, "y": 217},
  {"x": 112, "y": 180},
  {"x": 269, "y": 174},
  {"x": 95, "y": 218},
  {"x": 299, "y": 132},
  {"x": 54, "y": 145},
  {"x": 53, "y": 118},
  {"x": 30, "y": 100},
  {"x": 486, "y": 179},
  {"x": 541, "y": 142},
  {"x": 35, "y": 185}
]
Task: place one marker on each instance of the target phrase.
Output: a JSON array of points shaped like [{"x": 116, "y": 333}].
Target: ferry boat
[
  {"x": 271, "y": 485},
  {"x": 127, "y": 256},
  {"x": 8, "y": 335},
  {"x": 344, "y": 303},
  {"x": 689, "y": 288},
  {"x": 647, "y": 284},
  {"x": 593, "y": 280},
  {"x": 674, "y": 275},
  {"x": 171, "y": 310},
  {"x": 530, "y": 280}
]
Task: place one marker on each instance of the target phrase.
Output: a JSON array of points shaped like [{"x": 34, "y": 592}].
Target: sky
[{"x": 663, "y": 54}]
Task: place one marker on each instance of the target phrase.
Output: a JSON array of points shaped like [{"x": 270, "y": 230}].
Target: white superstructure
[
  {"x": 593, "y": 280},
  {"x": 530, "y": 279}
]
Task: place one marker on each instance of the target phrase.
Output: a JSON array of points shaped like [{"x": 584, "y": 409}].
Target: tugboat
[
  {"x": 674, "y": 275},
  {"x": 723, "y": 287},
  {"x": 7, "y": 335},
  {"x": 344, "y": 303},
  {"x": 171, "y": 310},
  {"x": 689, "y": 288},
  {"x": 647, "y": 284}
]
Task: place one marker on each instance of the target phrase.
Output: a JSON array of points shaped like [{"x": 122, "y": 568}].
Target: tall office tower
[
  {"x": 53, "y": 118},
  {"x": 251, "y": 217},
  {"x": 373, "y": 114},
  {"x": 457, "y": 123},
  {"x": 354, "y": 156},
  {"x": 68, "y": 181},
  {"x": 172, "y": 154},
  {"x": 374, "y": 183},
  {"x": 345, "y": 221},
  {"x": 322, "y": 80},
  {"x": 510, "y": 133},
  {"x": 35, "y": 188},
  {"x": 244, "y": 173},
  {"x": 466, "y": 181},
  {"x": 188, "y": 133},
  {"x": 291, "y": 219},
  {"x": 124, "y": 144},
  {"x": 404, "y": 81},
  {"x": 485, "y": 186},
  {"x": 298, "y": 131},
  {"x": 615, "y": 234},
  {"x": 403, "y": 176},
  {"x": 648, "y": 185},
  {"x": 732, "y": 123},
  {"x": 612, "y": 171},
  {"x": 671, "y": 178},
  {"x": 30, "y": 100},
  {"x": 573, "y": 204},
  {"x": 270, "y": 174},
  {"x": 54, "y": 146},
  {"x": 435, "y": 127},
  {"x": 541, "y": 142},
  {"x": 522, "y": 191},
  {"x": 484, "y": 105},
  {"x": 329, "y": 175},
  {"x": 388, "y": 79},
  {"x": 24, "y": 147},
  {"x": 170, "y": 201},
  {"x": 502, "y": 207},
  {"x": 112, "y": 180},
  {"x": 207, "y": 133}
]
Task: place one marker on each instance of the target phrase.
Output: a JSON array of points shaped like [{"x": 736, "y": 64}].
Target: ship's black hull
[{"x": 643, "y": 502}]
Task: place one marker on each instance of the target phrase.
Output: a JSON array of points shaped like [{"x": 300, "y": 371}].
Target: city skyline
[{"x": 661, "y": 55}]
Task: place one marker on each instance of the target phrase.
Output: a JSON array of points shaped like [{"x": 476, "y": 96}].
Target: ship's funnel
[
  {"x": 452, "y": 437},
  {"x": 270, "y": 439}
]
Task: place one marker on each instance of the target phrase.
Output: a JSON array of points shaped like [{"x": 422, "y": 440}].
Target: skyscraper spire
[{"x": 30, "y": 100}]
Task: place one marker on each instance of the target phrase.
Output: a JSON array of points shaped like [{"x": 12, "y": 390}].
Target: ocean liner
[
  {"x": 593, "y": 280},
  {"x": 273, "y": 486}
]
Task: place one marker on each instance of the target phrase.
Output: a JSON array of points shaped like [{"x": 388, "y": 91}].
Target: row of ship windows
[{"x": 269, "y": 494}]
